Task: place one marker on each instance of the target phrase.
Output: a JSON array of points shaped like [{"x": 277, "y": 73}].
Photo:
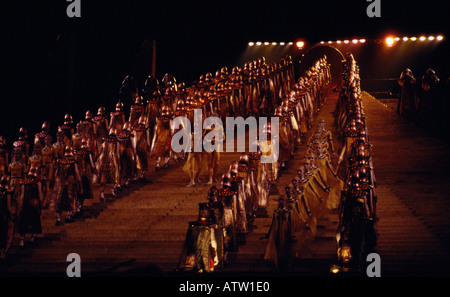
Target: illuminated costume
[
  {"x": 211, "y": 159},
  {"x": 162, "y": 135},
  {"x": 245, "y": 172},
  {"x": 40, "y": 136},
  {"x": 18, "y": 170},
  {"x": 215, "y": 206},
  {"x": 88, "y": 128},
  {"x": 67, "y": 129},
  {"x": 279, "y": 235},
  {"x": 200, "y": 247},
  {"x": 192, "y": 166},
  {"x": 100, "y": 122},
  {"x": 141, "y": 146},
  {"x": 151, "y": 97},
  {"x": 301, "y": 203},
  {"x": 117, "y": 117},
  {"x": 59, "y": 146},
  {"x": 29, "y": 206},
  {"x": 238, "y": 186},
  {"x": 78, "y": 136},
  {"x": 137, "y": 110},
  {"x": 229, "y": 202},
  {"x": 127, "y": 155},
  {"x": 313, "y": 195},
  {"x": 36, "y": 161},
  {"x": 67, "y": 186},
  {"x": 269, "y": 170},
  {"x": 48, "y": 158},
  {"x": 85, "y": 162},
  {"x": 23, "y": 145},
  {"x": 108, "y": 163}
]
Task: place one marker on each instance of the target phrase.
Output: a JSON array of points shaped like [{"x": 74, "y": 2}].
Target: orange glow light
[
  {"x": 300, "y": 44},
  {"x": 389, "y": 41}
]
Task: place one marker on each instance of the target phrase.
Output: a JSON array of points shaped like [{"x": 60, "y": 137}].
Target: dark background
[{"x": 53, "y": 64}]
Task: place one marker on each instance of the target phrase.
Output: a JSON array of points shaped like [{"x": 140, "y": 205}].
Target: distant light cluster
[
  {"x": 258, "y": 43},
  {"x": 390, "y": 41}
]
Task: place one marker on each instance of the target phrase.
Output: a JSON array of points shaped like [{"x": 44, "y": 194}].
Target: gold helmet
[
  {"x": 68, "y": 119},
  {"x": 68, "y": 151},
  {"x": 101, "y": 111},
  {"x": 88, "y": 115},
  {"x": 119, "y": 106}
]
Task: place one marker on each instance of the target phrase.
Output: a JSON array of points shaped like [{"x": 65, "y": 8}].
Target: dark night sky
[{"x": 47, "y": 77}]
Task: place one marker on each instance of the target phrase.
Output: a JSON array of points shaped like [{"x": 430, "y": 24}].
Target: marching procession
[{"x": 116, "y": 150}]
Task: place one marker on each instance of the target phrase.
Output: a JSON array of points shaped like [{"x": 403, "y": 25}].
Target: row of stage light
[
  {"x": 390, "y": 41},
  {"x": 299, "y": 44}
]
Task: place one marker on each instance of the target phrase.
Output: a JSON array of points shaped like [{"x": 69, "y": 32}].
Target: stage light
[
  {"x": 413, "y": 38},
  {"x": 266, "y": 43},
  {"x": 439, "y": 37},
  {"x": 362, "y": 40},
  {"x": 422, "y": 38},
  {"x": 405, "y": 38},
  {"x": 338, "y": 41},
  {"x": 251, "y": 43},
  {"x": 330, "y": 42},
  {"x": 355, "y": 41},
  {"x": 282, "y": 43},
  {"x": 322, "y": 42},
  {"x": 300, "y": 44},
  {"x": 274, "y": 43},
  {"x": 258, "y": 43},
  {"x": 397, "y": 38},
  {"x": 389, "y": 41},
  {"x": 430, "y": 37},
  {"x": 346, "y": 41},
  {"x": 291, "y": 43}
]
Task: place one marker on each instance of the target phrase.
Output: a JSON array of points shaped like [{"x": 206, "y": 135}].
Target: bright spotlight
[
  {"x": 266, "y": 43},
  {"x": 405, "y": 38},
  {"x": 355, "y": 41},
  {"x": 258, "y": 43},
  {"x": 330, "y": 42},
  {"x": 413, "y": 38},
  {"x": 389, "y": 41},
  {"x": 322, "y": 42},
  {"x": 338, "y": 42},
  {"x": 362, "y": 40},
  {"x": 291, "y": 43},
  {"x": 439, "y": 37},
  {"x": 274, "y": 43},
  {"x": 300, "y": 44},
  {"x": 346, "y": 41},
  {"x": 430, "y": 37},
  {"x": 282, "y": 43},
  {"x": 251, "y": 43},
  {"x": 422, "y": 38}
]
